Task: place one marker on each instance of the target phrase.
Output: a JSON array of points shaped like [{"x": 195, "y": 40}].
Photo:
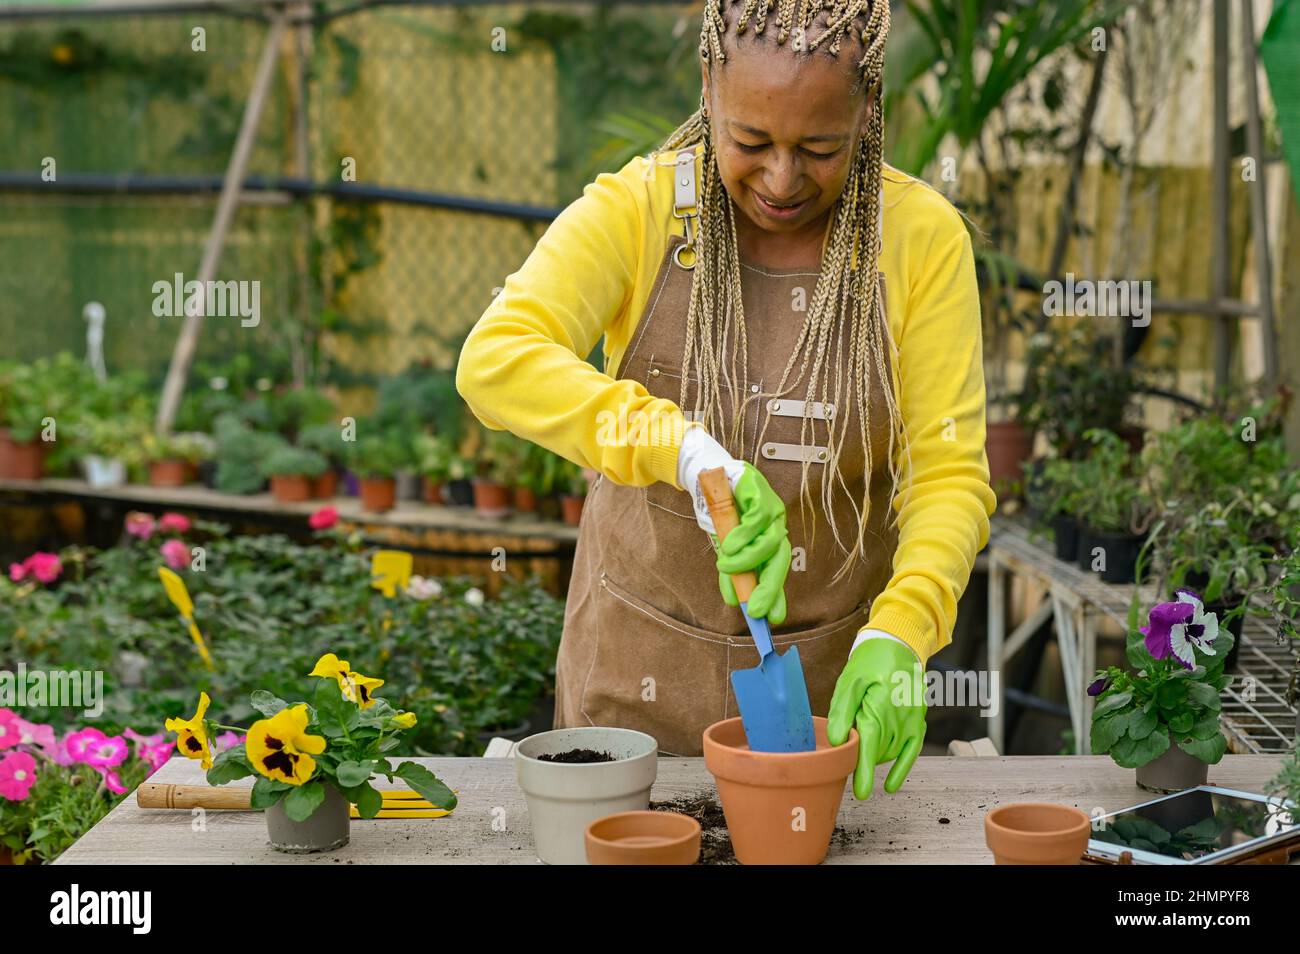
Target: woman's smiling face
[{"x": 785, "y": 130}]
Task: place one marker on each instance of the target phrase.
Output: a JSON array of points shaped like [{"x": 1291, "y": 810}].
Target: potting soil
[{"x": 577, "y": 757}]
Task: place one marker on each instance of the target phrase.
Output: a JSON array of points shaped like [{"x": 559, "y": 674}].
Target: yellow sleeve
[
  {"x": 943, "y": 512},
  {"x": 523, "y": 366}
]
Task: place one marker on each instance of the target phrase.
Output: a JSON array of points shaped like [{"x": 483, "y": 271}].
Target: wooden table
[{"x": 904, "y": 828}]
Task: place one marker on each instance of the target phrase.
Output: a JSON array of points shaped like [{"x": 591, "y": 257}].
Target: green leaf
[
  {"x": 1172, "y": 695},
  {"x": 1107, "y": 731},
  {"x": 230, "y": 765},
  {"x": 352, "y": 773},
  {"x": 1204, "y": 695},
  {"x": 266, "y": 703},
  {"x": 1205, "y": 727},
  {"x": 1131, "y": 753},
  {"x": 267, "y": 792},
  {"x": 1181, "y": 723},
  {"x": 331, "y": 707},
  {"x": 300, "y": 803},
  {"x": 1111, "y": 703},
  {"x": 1141, "y": 723},
  {"x": 427, "y": 784},
  {"x": 368, "y": 801},
  {"x": 1208, "y": 750}
]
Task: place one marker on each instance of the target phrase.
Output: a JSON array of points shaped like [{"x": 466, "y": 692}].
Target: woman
[{"x": 777, "y": 302}]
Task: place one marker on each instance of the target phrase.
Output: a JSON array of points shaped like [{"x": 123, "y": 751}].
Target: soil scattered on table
[
  {"x": 577, "y": 757},
  {"x": 715, "y": 840}
]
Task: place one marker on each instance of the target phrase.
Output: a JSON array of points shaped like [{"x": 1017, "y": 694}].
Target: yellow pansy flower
[
  {"x": 281, "y": 749},
  {"x": 404, "y": 720},
  {"x": 192, "y": 735},
  {"x": 354, "y": 686}
]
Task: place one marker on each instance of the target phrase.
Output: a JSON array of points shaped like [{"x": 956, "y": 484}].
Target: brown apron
[{"x": 648, "y": 642}]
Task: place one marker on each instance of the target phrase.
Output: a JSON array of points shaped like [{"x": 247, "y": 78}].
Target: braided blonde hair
[{"x": 847, "y": 289}]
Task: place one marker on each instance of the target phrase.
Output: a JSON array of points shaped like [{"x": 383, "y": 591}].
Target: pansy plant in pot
[
  {"x": 1163, "y": 719},
  {"x": 312, "y": 760}
]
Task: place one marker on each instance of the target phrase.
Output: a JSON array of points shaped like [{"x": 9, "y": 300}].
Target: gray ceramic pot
[
  {"x": 1173, "y": 771},
  {"x": 324, "y": 830}
]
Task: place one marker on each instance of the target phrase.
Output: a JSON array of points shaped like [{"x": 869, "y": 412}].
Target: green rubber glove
[
  {"x": 881, "y": 693},
  {"x": 759, "y": 543}
]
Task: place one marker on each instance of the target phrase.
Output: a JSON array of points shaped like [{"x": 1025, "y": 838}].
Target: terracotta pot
[
  {"x": 762, "y": 791},
  {"x": 326, "y": 485},
  {"x": 378, "y": 494},
  {"x": 571, "y": 509},
  {"x": 491, "y": 499},
  {"x": 1037, "y": 833},
  {"x": 21, "y": 461},
  {"x": 431, "y": 492},
  {"x": 525, "y": 500},
  {"x": 168, "y": 473},
  {"x": 643, "y": 838},
  {"x": 1008, "y": 446},
  {"x": 1172, "y": 771},
  {"x": 564, "y": 798},
  {"x": 325, "y": 829},
  {"x": 291, "y": 488}
]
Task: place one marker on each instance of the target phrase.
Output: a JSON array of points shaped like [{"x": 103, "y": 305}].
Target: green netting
[{"x": 1280, "y": 51}]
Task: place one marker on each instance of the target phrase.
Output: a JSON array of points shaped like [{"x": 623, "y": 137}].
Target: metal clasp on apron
[{"x": 685, "y": 205}]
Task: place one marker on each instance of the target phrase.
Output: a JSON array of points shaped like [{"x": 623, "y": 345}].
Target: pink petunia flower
[
  {"x": 226, "y": 740},
  {"x": 112, "y": 781},
  {"x": 143, "y": 741},
  {"x": 323, "y": 519},
  {"x": 17, "y": 572},
  {"x": 17, "y": 776},
  {"x": 10, "y": 729},
  {"x": 173, "y": 523},
  {"x": 46, "y": 567},
  {"x": 176, "y": 553},
  {"x": 140, "y": 524},
  {"x": 33, "y": 733},
  {"x": 108, "y": 753},
  {"x": 79, "y": 744},
  {"x": 156, "y": 756}
]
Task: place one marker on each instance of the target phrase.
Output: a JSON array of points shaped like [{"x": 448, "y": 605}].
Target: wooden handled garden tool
[
  {"x": 180, "y": 597},
  {"x": 397, "y": 803},
  {"x": 773, "y": 697}
]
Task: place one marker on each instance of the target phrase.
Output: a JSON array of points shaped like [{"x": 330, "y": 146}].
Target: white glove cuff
[
  {"x": 700, "y": 452},
  {"x": 866, "y": 634}
]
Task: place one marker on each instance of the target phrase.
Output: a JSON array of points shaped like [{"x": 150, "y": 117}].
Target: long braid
[{"x": 833, "y": 370}]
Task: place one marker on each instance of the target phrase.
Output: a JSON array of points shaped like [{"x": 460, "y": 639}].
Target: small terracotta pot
[
  {"x": 21, "y": 461},
  {"x": 378, "y": 494},
  {"x": 571, "y": 509},
  {"x": 326, "y": 829},
  {"x": 168, "y": 473},
  {"x": 431, "y": 491},
  {"x": 1008, "y": 446},
  {"x": 643, "y": 838},
  {"x": 763, "y": 793},
  {"x": 1037, "y": 833},
  {"x": 491, "y": 499},
  {"x": 525, "y": 500},
  {"x": 1172, "y": 771},
  {"x": 291, "y": 488},
  {"x": 326, "y": 485}
]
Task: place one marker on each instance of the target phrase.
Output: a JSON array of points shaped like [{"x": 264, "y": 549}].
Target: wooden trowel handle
[
  {"x": 722, "y": 508},
  {"x": 157, "y": 795}
]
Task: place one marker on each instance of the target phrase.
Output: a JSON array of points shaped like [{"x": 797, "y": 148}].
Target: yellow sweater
[{"x": 522, "y": 368}]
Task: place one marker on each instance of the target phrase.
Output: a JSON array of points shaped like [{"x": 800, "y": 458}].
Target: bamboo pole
[
  {"x": 1258, "y": 195},
  {"x": 1219, "y": 274}
]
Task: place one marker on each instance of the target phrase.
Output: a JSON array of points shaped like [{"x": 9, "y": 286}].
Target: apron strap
[{"x": 686, "y": 204}]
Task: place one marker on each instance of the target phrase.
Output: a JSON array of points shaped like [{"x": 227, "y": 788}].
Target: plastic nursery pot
[
  {"x": 1172, "y": 771},
  {"x": 565, "y": 797},
  {"x": 571, "y": 509},
  {"x": 431, "y": 492},
  {"x": 325, "y": 829},
  {"x": 460, "y": 493},
  {"x": 326, "y": 485},
  {"x": 491, "y": 499},
  {"x": 1065, "y": 529},
  {"x": 168, "y": 473},
  {"x": 1120, "y": 550},
  {"x": 378, "y": 494},
  {"x": 1008, "y": 446},
  {"x": 291, "y": 488},
  {"x": 525, "y": 500},
  {"x": 643, "y": 838},
  {"x": 409, "y": 485},
  {"x": 103, "y": 471},
  {"x": 24, "y": 461},
  {"x": 1036, "y": 833},
  {"x": 762, "y": 793}
]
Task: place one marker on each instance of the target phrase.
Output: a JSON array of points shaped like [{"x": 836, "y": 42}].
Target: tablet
[{"x": 1203, "y": 825}]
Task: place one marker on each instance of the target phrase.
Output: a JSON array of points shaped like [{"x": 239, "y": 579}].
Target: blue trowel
[{"x": 773, "y": 696}]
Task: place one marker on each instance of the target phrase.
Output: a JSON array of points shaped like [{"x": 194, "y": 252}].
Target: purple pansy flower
[
  {"x": 1202, "y": 630},
  {"x": 1098, "y": 687},
  {"x": 1159, "y": 630}
]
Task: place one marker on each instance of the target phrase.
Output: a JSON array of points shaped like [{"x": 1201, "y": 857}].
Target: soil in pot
[
  {"x": 1065, "y": 530},
  {"x": 25, "y": 461},
  {"x": 1008, "y": 446},
  {"x": 326, "y": 829},
  {"x": 378, "y": 494},
  {"x": 491, "y": 499},
  {"x": 291, "y": 488},
  {"x": 577, "y": 757},
  {"x": 1037, "y": 833},
  {"x": 168, "y": 473},
  {"x": 1120, "y": 550},
  {"x": 761, "y": 791},
  {"x": 1172, "y": 771}
]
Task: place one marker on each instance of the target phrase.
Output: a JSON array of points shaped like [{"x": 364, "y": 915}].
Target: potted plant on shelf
[
  {"x": 376, "y": 460},
  {"x": 326, "y": 440},
  {"x": 173, "y": 459},
  {"x": 1284, "y": 612},
  {"x": 293, "y": 472},
  {"x": 1054, "y": 495},
  {"x": 572, "y": 485},
  {"x": 1163, "y": 718},
  {"x": 498, "y": 465},
  {"x": 538, "y": 472},
  {"x": 311, "y": 762},
  {"x": 1116, "y": 510},
  {"x": 433, "y": 455},
  {"x": 23, "y": 407},
  {"x": 108, "y": 445}
]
